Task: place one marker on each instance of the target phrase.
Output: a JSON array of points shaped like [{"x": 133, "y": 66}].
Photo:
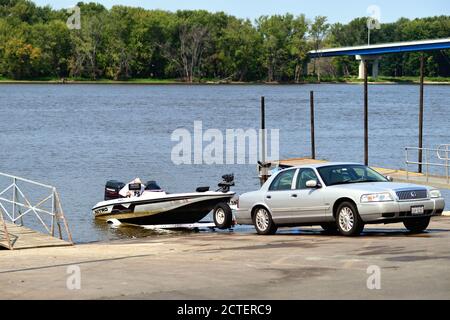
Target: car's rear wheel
[
  {"x": 263, "y": 222},
  {"x": 348, "y": 221},
  {"x": 417, "y": 225}
]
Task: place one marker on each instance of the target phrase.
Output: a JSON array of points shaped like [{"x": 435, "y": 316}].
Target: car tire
[
  {"x": 417, "y": 225},
  {"x": 223, "y": 216},
  {"x": 348, "y": 221},
  {"x": 263, "y": 222},
  {"x": 329, "y": 227}
]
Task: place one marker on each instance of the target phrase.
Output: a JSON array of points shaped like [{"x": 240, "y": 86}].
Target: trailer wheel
[{"x": 223, "y": 216}]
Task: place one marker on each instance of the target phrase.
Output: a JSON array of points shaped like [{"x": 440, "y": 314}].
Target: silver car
[{"x": 339, "y": 197}]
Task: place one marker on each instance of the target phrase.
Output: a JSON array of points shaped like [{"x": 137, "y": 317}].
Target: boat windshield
[{"x": 349, "y": 173}]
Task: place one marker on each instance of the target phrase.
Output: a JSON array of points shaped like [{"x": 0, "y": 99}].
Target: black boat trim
[
  {"x": 149, "y": 201},
  {"x": 190, "y": 213}
]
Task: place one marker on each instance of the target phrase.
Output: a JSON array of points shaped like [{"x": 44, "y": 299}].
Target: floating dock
[
  {"x": 396, "y": 174},
  {"x": 20, "y": 237}
]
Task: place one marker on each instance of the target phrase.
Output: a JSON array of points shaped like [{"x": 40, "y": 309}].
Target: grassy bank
[
  {"x": 383, "y": 79},
  {"x": 88, "y": 81},
  {"x": 308, "y": 80}
]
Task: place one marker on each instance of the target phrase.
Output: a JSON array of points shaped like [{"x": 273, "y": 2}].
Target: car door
[
  {"x": 307, "y": 203},
  {"x": 279, "y": 195}
]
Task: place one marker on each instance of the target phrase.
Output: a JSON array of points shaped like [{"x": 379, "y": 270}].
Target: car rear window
[{"x": 283, "y": 181}]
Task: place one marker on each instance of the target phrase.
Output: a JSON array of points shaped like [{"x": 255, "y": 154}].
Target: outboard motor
[
  {"x": 152, "y": 186},
  {"x": 112, "y": 189},
  {"x": 227, "y": 182}
]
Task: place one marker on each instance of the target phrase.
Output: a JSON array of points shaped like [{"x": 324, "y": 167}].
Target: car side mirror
[
  {"x": 312, "y": 184},
  {"x": 389, "y": 178}
]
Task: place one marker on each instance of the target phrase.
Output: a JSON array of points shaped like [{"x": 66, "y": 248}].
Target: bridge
[{"x": 375, "y": 51}]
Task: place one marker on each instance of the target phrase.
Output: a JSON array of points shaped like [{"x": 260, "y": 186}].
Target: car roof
[{"x": 325, "y": 164}]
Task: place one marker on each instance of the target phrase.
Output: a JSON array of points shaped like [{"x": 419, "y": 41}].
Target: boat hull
[{"x": 176, "y": 210}]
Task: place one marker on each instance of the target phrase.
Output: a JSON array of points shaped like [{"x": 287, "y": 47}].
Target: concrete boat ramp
[{"x": 295, "y": 263}]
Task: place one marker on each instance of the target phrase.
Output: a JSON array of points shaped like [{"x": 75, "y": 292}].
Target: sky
[{"x": 337, "y": 11}]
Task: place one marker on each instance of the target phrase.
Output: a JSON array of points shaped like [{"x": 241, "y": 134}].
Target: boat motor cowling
[{"x": 112, "y": 189}]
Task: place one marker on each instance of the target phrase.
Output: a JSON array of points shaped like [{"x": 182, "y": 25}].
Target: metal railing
[
  {"x": 441, "y": 153},
  {"x": 13, "y": 198}
]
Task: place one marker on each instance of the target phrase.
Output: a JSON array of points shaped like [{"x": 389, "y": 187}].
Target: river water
[{"x": 76, "y": 137}]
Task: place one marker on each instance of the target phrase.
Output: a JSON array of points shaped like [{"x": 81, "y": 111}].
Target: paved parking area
[{"x": 294, "y": 264}]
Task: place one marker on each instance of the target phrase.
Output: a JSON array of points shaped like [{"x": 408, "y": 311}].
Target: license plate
[{"x": 415, "y": 211}]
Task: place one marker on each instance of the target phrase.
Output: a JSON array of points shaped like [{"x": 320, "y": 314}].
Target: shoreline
[{"x": 234, "y": 83}]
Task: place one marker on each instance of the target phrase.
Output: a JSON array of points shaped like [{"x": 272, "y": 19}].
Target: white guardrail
[
  {"x": 431, "y": 156},
  {"x": 15, "y": 206}
]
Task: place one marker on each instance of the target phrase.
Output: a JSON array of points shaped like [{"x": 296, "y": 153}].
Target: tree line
[{"x": 128, "y": 42}]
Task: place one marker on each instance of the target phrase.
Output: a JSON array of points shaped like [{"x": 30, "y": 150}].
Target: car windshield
[{"x": 349, "y": 173}]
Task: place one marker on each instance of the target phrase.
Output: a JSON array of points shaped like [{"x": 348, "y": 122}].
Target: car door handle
[{"x": 294, "y": 195}]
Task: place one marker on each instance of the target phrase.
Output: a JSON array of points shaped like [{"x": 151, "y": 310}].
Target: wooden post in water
[
  {"x": 263, "y": 169},
  {"x": 366, "y": 115},
  {"x": 422, "y": 66},
  {"x": 313, "y": 141},
  {"x": 263, "y": 129}
]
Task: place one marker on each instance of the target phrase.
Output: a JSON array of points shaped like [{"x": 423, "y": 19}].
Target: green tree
[
  {"x": 88, "y": 46},
  {"x": 318, "y": 30},
  {"x": 20, "y": 58},
  {"x": 284, "y": 45},
  {"x": 124, "y": 42},
  {"x": 239, "y": 51},
  {"x": 54, "y": 41},
  {"x": 186, "y": 43}
]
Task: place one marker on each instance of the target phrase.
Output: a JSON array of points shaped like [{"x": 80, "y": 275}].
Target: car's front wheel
[
  {"x": 417, "y": 225},
  {"x": 263, "y": 222},
  {"x": 348, "y": 221}
]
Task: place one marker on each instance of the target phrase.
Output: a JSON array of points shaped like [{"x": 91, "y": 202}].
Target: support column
[
  {"x": 375, "y": 67},
  {"x": 365, "y": 59},
  {"x": 361, "y": 67}
]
